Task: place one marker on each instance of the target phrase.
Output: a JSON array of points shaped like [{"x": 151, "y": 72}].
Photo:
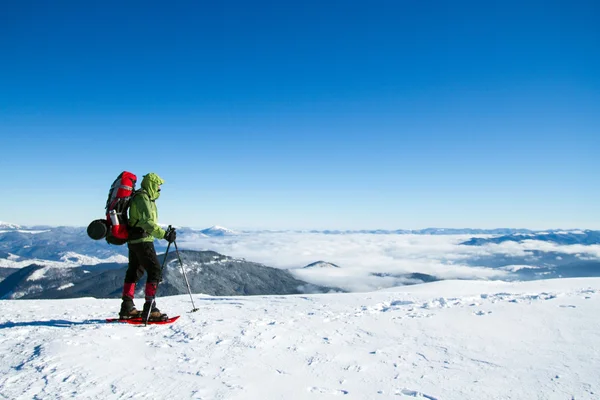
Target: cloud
[
  {"x": 359, "y": 255},
  {"x": 362, "y": 255}
]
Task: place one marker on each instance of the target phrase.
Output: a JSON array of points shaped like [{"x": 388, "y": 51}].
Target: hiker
[{"x": 143, "y": 229}]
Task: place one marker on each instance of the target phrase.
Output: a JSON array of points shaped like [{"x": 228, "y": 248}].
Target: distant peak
[
  {"x": 8, "y": 225},
  {"x": 217, "y": 230},
  {"x": 322, "y": 264}
]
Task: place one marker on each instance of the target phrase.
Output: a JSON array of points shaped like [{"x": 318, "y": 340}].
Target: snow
[
  {"x": 520, "y": 249},
  {"x": 33, "y": 232},
  {"x": 8, "y": 225},
  {"x": 220, "y": 228},
  {"x": 68, "y": 260},
  {"x": 449, "y": 340},
  {"x": 39, "y": 274},
  {"x": 79, "y": 259},
  {"x": 219, "y": 231},
  {"x": 321, "y": 264},
  {"x": 65, "y": 286},
  {"x": 515, "y": 268},
  {"x": 562, "y": 232}
]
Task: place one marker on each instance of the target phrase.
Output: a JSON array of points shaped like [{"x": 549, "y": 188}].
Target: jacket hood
[{"x": 151, "y": 184}]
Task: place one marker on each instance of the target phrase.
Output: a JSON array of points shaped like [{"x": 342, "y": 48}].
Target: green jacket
[{"x": 142, "y": 210}]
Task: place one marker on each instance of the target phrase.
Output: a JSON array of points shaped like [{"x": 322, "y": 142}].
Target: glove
[{"x": 170, "y": 235}]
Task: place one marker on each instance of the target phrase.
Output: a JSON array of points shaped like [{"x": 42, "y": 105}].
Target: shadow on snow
[{"x": 53, "y": 323}]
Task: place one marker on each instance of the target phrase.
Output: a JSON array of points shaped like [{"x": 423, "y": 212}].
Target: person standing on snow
[{"x": 143, "y": 223}]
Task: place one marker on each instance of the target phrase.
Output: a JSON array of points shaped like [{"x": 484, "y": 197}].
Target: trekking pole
[
  {"x": 164, "y": 262},
  {"x": 194, "y": 309},
  {"x": 161, "y": 271}
]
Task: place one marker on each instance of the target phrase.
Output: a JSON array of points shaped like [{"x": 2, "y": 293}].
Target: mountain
[
  {"x": 71, "y": 247},
  {"x": 469, "y": 231},
  {"x": 407, "y": 279},
  {"x": 218, "y": 231},
  {"x": 208, "y": 272},
  {"x": 4, "y": 272},
  {"x": 450, "y": 340},
  {"x": 426, "y": 231},
  {"x": 587, "y": 237},
  {"x": 53, "y": 243},
  {"x": 8, "y": 226},
  {"x": 321, "y": 264},
  {"x": 40, "y": 282}
]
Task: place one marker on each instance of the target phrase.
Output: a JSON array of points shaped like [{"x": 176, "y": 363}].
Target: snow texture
[{"x": 449, "y": 340}]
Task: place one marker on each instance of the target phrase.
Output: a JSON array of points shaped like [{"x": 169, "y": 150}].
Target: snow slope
[{"x": 449, "y": 340}]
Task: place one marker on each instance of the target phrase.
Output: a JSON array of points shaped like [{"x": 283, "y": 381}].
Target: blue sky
[{"x": 325, "y": 115}]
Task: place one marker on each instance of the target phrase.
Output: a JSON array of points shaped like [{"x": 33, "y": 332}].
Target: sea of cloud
[{"x": 390, "y": 256}]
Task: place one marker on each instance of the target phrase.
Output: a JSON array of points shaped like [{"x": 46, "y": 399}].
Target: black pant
[{"x": 142, "y": 257}]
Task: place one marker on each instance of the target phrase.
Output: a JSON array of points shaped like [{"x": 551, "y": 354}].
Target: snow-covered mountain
[
  {"x": 52, "y": 243},
  {"x": 586, "y": 237},
  {"x": 427, "y": 231},
  {"x": 218, "y": 231},
  {"x": 366, "y": 261},
  {"x": 451, "y": 340},
  {"x": 8, "y": 226},
  {"x": 207, "y": 272},
  {"x": 321, "y": 264},
  {"x": 67, "y": 260}
]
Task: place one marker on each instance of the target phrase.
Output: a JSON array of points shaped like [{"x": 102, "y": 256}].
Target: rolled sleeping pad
[{"x": 97, "y": 229}]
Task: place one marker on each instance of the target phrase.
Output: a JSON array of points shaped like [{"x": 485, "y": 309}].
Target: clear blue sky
[{"x": 314, "y": 114}]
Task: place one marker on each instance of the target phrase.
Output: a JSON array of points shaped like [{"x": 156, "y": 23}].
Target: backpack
[{"x": 115, "y": 227}]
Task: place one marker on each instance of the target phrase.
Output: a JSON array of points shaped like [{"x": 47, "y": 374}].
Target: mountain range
[
  {"x": 208, "y": 272},
  {"x": 61, "y": 262},
  {"x": 52, "y": 243},
  {"x": 587, "y": 237}
]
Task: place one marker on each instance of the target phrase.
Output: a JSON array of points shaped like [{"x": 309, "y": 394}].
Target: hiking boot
[
  {"x": 154, "y": 314},
  {"x": 129, "y": 311}
]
